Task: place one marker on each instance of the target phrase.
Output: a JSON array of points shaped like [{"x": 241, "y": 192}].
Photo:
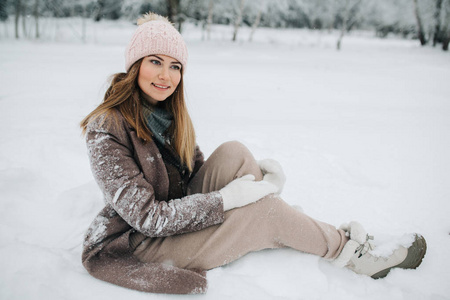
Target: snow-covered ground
[{"x": 363, "y": 134}]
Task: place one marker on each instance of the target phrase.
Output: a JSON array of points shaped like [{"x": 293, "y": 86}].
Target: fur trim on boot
[
  {"x": 358, "y": 237},
  {"x": 346, "y": 254}
]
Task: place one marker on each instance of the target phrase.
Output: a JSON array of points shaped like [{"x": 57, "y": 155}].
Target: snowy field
[{"x": 363, "y": 134}]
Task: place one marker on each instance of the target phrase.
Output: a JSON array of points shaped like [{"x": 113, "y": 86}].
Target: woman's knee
[
  {"x": 233, "y": 149},
  {"x": 234, "y": 153}
]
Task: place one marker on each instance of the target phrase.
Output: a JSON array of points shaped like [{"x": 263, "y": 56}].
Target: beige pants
[{"x": 268, "y": 223}]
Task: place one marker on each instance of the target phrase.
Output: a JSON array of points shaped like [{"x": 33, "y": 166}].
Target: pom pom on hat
[
  {"x": 155, "y": 35},
  {"x": 152, "y": 17}
]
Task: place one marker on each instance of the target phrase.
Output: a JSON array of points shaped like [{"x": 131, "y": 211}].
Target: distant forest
[{"x": 428, "y": 21}]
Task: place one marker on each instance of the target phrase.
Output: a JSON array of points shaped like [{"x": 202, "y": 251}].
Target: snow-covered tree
[
  {"x": 348, "y": 15},
  {"x": 256, "y": 10},
  {"x": 238, "y": 19},
  {"x": 437, "y": 19},
  {"x": 420, "y": 30},
  {"x": 3, "y": 11},
  {"x": 385, "y": 17},
  {"x": 446, "y": 27},
  {"x": 209, "y": 20}
]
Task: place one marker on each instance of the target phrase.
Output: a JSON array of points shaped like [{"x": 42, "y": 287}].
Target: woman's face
[{"x": 159, "y": 76}]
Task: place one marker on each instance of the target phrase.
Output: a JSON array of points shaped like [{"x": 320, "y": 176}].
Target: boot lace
[{"x": 365, "y": 247}]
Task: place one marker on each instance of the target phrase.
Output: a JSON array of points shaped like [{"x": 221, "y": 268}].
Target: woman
[{"x": 170, "y": 215}]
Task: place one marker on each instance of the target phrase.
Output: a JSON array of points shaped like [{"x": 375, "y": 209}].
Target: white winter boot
[{"x": 356, "y": 254}]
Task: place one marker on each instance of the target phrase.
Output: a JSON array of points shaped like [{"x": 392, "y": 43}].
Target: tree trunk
[
  {"x": 255, "y": 25},
  {"x": 172, "y": 10},
  {"x": 24, "y": 21},
  {"x": 17, "y": 16},
  {"x": 420, "y": 32},
  {"x": 348, "y": 20},
  {"x": 445, "y": 39},
  {"x": 437, "y": 37},
  {"x": 83, "y": 25},
  {"x": 445, "y": 42},
  {"x": 238, "y": 22},
  {"x": 36, "y": 17},
  {"x": 344, "y": 26},
  {"x": 99, "y": 10},
  {"x": 209, "y": 20},
  {"x": 446, "y": 30}
]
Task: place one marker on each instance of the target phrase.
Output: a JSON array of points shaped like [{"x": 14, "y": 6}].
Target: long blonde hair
[{"x": 123, "y": 94}]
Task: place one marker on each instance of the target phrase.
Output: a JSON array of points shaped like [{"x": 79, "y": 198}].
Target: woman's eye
[
  {"x": 155, "y": 62},
  {"x": 176, "y": 67}
]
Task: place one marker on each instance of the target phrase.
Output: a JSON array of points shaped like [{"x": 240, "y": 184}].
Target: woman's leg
[
  {"x": 268, "y": 223},
  {"x": 229, "y": 161}
]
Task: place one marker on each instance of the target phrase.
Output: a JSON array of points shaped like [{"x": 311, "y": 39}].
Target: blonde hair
[{"x": 123, "y": 94}]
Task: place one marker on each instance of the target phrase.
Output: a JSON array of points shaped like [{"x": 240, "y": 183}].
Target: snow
[{"x": 362, "y": 134}]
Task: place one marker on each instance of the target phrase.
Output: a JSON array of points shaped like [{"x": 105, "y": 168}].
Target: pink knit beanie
[{"x": 155, "y": 35}]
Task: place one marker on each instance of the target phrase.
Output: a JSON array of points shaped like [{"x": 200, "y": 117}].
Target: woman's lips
[{"x": 160, "y": 86}]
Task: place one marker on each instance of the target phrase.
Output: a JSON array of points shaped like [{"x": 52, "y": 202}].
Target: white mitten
[
  {"x": 245, "y": 190},
  {"x": 273, "y": 173}
]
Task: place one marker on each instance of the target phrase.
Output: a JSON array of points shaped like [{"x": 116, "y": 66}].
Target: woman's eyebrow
[
  {"x": 156, "y": 57},
  {"x": 173, "y": 62}
]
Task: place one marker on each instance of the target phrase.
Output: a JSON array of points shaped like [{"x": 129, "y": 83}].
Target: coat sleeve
[{"x": 132, "y": 196}]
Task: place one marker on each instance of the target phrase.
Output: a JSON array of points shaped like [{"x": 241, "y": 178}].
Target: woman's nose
[{"x": 164, "y": 74}]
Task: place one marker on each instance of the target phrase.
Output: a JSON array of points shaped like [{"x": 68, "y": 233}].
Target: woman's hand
[
  {"x": 273, "y": 173},
  {"x": 245, "y": 190}
]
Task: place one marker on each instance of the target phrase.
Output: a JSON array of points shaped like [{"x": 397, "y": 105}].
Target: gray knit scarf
[{"x": 158, "y": 121}]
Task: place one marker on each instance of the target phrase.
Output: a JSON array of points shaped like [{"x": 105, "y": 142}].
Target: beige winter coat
[{"x": 135, "y": 184}]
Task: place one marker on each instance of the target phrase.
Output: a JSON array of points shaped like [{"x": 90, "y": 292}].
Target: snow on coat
[{"x": 135, "y": 184}]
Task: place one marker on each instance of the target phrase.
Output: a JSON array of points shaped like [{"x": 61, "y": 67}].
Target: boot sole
[{"x": 416, "y": 252}]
